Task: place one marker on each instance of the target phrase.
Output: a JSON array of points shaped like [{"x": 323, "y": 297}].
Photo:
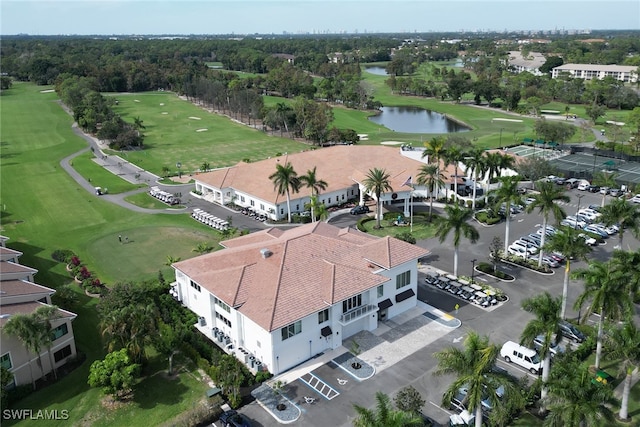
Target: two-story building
[
  {"x": 19, "y": 295},
  {"x": 277, "y": 298},
  {"x": 623, "y": 73}
]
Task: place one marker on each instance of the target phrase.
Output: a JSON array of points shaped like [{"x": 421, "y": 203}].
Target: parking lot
[{"x": 405, "y": 366}]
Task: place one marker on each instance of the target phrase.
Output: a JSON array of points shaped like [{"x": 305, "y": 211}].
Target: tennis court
[
  {"x": 582, "y": 165},
  {"x": 527, "y": 151}
]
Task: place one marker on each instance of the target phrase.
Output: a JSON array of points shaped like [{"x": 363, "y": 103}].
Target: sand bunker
[
  {"x": 194, "y": 118},
  {"x": 47, "y": 91},
  {"x": 136, "y": 100},
  {"x": 164, "y": 112},
  {"x": 391, "y": 143},
  {"x": 161, "y": 104},
  {"x": 499, "y": 119},
  {"x": 201, "y": 130}
]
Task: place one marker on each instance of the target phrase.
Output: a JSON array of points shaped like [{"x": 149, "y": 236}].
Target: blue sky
[{"x": 47, "y": 17}]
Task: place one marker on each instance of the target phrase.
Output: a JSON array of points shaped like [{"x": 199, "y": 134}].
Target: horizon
[{"x": 313, "y": 17}]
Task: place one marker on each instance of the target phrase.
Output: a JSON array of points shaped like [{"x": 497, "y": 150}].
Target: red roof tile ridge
[{"x": 277, "y": 287}]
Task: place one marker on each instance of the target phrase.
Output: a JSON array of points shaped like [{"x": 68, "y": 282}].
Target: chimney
[{"x": 266, "y": 253}]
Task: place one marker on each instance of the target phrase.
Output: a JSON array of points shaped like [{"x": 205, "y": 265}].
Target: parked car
[
  {"x": 557, "y": 256},
  {"x": 549, "y": 231},
  {"x": 591, "y": 228},
  {"x": 530, "y": 240},
  {"x": 590, "y": 213},
  {"x": 572, "y": 182},
  {"x": 529, "y": 200},
  {"x": 523, "y": 356},
  {"x": 573, "y": 223},
  {"x": 583, "y": 186},
  {"x": 609, "y": 230},
  {"x": 596, "y": 208},
  {"x": 588, "y": 239},
  {"x": 531, "y": 249},
  {"x": 518, "y": 251},
  {"x": 234, "y": 419},
  {"x": 604, "y": 190},
  {"x": 560, "y": 180},
  {"x": 584, "y": 218},
  {"x": 360, "y": 209},
  {"x": 555, "y": 348},
  {"x": 571, "y": 332},
  {"x": 635, "y": 199},
  {"x": 615, "y": 192},
  {"x": 593, "y": 189},
  {"x": 550, "y": 261}
]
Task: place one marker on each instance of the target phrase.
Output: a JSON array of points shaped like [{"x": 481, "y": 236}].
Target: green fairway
[
  {"x": 99, "y": 176},
  {"x": 178, "y": 131}
]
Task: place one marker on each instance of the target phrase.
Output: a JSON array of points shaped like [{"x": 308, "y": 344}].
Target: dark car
[
  {"x": 360, "y": 209},
  {"x": 234, "y": 419},
  {"x": 593, "y": 189},
  {"x": 570, "y": 331}
]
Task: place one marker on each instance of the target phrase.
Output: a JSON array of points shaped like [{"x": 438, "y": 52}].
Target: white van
[{"x": 523, "y": 356}]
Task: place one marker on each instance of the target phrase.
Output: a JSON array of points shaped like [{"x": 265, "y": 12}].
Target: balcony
[{"x": 356, "y": 313}]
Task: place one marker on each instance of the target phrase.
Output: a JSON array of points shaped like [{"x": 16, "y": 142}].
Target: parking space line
[
  {"x": 320, "y": 386},
  {"x": 517, "y": 368}
]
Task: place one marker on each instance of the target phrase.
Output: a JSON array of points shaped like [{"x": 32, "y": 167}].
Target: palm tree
[
  {"x": 384, "y": 415},
  {"x": 546, "y": 203},
  {"x": 574, "y": 400},
  {"x": 284, "y": 179},
  {"x": 475, "y": 163},
  {"x": 205, "y": 166},
  {"x": 606, "y": 292},
  {"x": 547, "y": 323},
  {"x": 474, "y": 368},
  {"x": 623, "y": 344},
  {"x": 571, "y": 245},
  {"x": 431, "y": 177},
  {"x": 316, "y": 185},
  {"x": 454, "y": 155},
  {"x": 508, "y": 195},
  {"x": 377, "y": 181},
  {"x": 605, "y": 179},
  {"x": 435, "y": 150},
  {"x": 44, "y": 315},
  {"x": 492, "y": 162},
  {"x": 629, "y": 264},
  {"x": 456, "y": 220},
  {"x": 23, "y": 327},
  {"x": 624, "y": 214},
  {"x": 282, "y": 112},
  {"x": 320, "y": 210}
]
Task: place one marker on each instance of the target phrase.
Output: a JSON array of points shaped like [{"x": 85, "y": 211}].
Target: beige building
[{"x": 20, "y": 295}]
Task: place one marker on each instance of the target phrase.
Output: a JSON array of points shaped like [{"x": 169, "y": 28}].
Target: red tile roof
[
  {"x": 9, "y": 288},
  {"x": 310, "y": 267},
  {"x": 6, "y": 311},
  {"x": 341, "y": 166}
]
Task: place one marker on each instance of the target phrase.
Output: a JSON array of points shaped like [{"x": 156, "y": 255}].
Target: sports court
[
  {"x": 582, "y": 165},
  {"x": 536, "y": 151}
]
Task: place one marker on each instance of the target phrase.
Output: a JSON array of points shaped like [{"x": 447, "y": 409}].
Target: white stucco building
[
  {"x": 623, "y": 73},
  {"x": 278, "y": 298}
]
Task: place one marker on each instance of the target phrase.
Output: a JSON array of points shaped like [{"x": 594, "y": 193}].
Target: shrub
[
  {"x": 203, "y": 364},
  {"x": 202, "y": 413},
  {"x": 407, "y": 237},
  {"x": 74, "y": 261},
  {"x": 62, "y": 255},
  {"x": 262, "y": 376}
]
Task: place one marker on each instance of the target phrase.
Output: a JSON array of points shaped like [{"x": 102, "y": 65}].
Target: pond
[
  {"x": 378, "y": 71},
  {"x": 416, "y": 120}
]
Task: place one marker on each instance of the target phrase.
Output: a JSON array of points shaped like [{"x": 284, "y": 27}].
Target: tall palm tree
[
  {"x": 431, "y": 177},
  {"x": 475, "y": 163},
  {"x": 629, "y": 264},
  {"x": 508, "y": 195},
  {"x": 384, "y": 415},
  {"x": 547, "y": 323},
  {"x": 311, "y": 181},
  {"x": 606, "y": 293},
  {"x": 453, "y": 156},
  {"x": 571, "y": 245},
  {"x": 474, "y": 369},
  {"x": 320, "y": 210},
  {"x": 605, "y": 179},
  {"x": 492, "y": 163},
  {"x": 285, "y": 179},
  {"x": 456, "y": 220},
  {"x": 435, "y": 150},
  {"x": 623, "y": 343},
  {"x": 546, "y": 203},
  {"x": 44, "y": 315},
  {"x": 624, "y": 214},
  {"x": 574, "y": 400},
  {"x": 377, "y": 182},
  {"x": 23, "y": 327}
]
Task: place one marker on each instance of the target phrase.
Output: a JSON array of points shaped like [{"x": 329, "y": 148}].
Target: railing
[{"x": 357, "y": 313}]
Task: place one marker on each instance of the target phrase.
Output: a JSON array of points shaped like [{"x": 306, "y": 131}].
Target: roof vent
[{"x": 266, "y": 253}]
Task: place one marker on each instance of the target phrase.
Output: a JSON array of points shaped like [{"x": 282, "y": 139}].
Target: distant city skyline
[{"x": 149, "y": 17}]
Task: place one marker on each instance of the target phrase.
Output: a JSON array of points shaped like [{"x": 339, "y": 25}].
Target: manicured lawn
[
  {"x": 422, "y": 229},
  {"x": 144, "y": 200},
  {"x": 191, "y": 135}
]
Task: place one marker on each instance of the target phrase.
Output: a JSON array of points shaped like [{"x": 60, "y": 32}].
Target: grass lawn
[
  {"x": 43, "y": 209},
  {"x": 422, "y": 229},
  {"x": 144, "y": 200},
  {"x": 178, "y": 131}
]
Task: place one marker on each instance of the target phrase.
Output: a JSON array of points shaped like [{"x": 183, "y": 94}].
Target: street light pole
[
  {"x": 579, "y": 196},
  {"x": 473, "y": 268},
  {"x": 501, "y": 129},
  {"x": 179, "y": 165}
]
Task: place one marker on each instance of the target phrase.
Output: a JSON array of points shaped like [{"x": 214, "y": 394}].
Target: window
[
  {"x": 281, "y": 211},
  {"x": 403, "y": 279},
  {"x": 380, "y": 291},
  {"x": 343, "y": 197},
  {"x": 351, "y": 303},
  {"x": 253, "y": 203},
  {"x": 329, "y": 200},
  {"x": 5, "y": 361},
  {"x": 323, "y": 316},
  {"x": 242, "y": 198},
  {"x": 62, "y": 354},
  {"x": 195, "y": 286},
  {"x": 297, "y": 208},
  {"x": 261, "y": 206},
  {"x": 60, "y": 331},
  {"x": 222, "y": 305},
  {"x": 291, "y": 330},
  {"x": 223, "y": 319}
]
